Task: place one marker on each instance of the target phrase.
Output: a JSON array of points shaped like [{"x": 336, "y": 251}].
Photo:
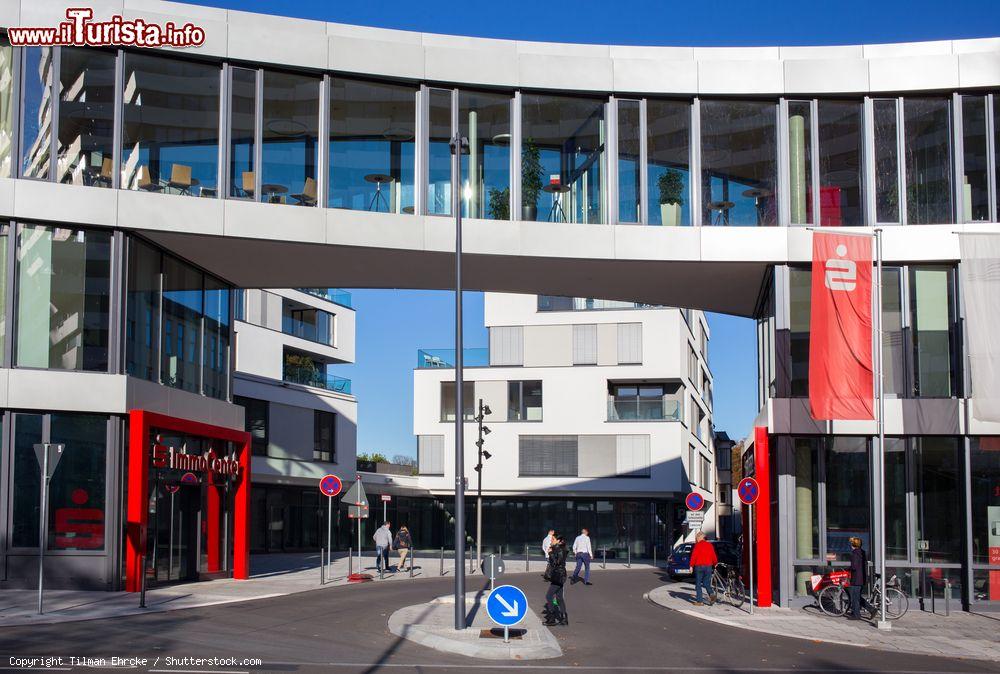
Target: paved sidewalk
[
  {"x": 962, "y": 635},
  {"x": 432, "y": 624},
  {"x": 272, "y": 575}
]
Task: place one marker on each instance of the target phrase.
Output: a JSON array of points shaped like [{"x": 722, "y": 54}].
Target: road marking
[
  {"x": 603, "y": 668},
  {"x": 194, "y": 671}
]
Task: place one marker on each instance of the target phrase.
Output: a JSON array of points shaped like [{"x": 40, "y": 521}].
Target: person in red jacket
[{"x": 703, "y": 561}]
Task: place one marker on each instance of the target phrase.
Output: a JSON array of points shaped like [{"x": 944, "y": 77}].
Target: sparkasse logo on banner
[
  {"x": 80, "y": 30},
  {"x": 841, "y": 377}
]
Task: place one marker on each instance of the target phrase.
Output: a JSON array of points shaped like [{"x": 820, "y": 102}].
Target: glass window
[
  {"x": 142, "y": 300},
  {"x": 806, "y": 502},
  {"x": 800, "y": 161},
  {"x": 170, "y": 126},
  {"x": 7, "y": 109},
  {"x": 894, "y": 368},
  {"x": 668, "y": 147},
  {"x": 739, "y": 163},
  {"x": 547, "y": 455},
  {"x": 217, "y": 330},
  {"x": 927, "y": 125},
  {"x": 985, "y": 471},
  {"x": 67, "y": 271},
  {"x": 372, "y": 160},
  {"x": 182, "y": 312},
  {"x": 846, "y": 496},
  {"x": 644, "y": 402},
  {"x": 25, "y": 485},
  {"x": 77, "y": 490},
  {"x": 886, "y": 160},
  {"x": 256, "y": 422},
  {"x": 840, "y": 163},
  {"x": 4, "y": 233},
  {"x": 36, "y": 118},
  {"x": 86, "y": 117},
  {"x": 975, "y": 193},
  {"x": 629, "y": 174},
  {"x": 800, "y": 303},
  {"x": 895, "y": 499},
  {"x": 307, "y": 322},
  {"x": 290, "y": 141},
  {"x": 562, "y": 158},
  {"x": 439, "y": 152},
  {"x": 242, "y": 131},
  {"x": 324, "y": 438},
  {"x": 932, "y": 292},
  {"x": 448, "y": 400},
  {"x": 484, "y": 118},
  {"x": 524, "y": 401},
  {"x": 936, "y": 484}
]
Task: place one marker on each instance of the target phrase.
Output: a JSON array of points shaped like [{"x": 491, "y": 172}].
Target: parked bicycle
[
  {"x": 726, "y": 582},
  {"x": 833, "y": 599}
]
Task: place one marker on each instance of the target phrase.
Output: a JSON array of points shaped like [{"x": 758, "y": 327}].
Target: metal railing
[
  {"x": 443, "y": 358},
  {"x": 316, "y": 378},
  {"x": 335, "y": 295},
  {"x": 665, "y": 409}
]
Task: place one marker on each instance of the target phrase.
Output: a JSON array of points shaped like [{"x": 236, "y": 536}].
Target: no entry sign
[
  {"x": 748, "y": 490},
  {"x": 330, "y": 485},
  {"x": 694, "y": 501}
]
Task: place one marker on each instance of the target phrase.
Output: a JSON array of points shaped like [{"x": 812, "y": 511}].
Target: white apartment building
[
  {"x": 601, "y": 417},
  {"x": 302, "y": 417}
]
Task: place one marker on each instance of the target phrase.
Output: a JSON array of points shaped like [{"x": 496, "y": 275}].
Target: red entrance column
[
  {"x": 762, "y": 511},
  {"x": 139, "y": 450}
]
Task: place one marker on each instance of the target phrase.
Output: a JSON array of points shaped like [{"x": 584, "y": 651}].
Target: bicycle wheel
[
  {"x": 833, "y": 600},
  {"x": 718, "y": 586},
  {"x": 896, "y": 603},
  {"x": 736, "y": 593}
]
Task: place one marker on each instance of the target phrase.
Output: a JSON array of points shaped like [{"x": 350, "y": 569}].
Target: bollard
[
  {"x": 472, "y": 562},
  {"x": 412, "y": 555},
  {"x": 655, "y": 565},
  {"x": 501, "y": 552},
  {"x": 350, "y": 561},
  {"x": 947, "y": 596},
  {"x": 381, "y": 568},
  {"x": 628, "y": 563},
  {"x": 526, "y": 557},
  {"x": 322, "y": 566},
  {"x": 442, "y": 561},
  {"x": 604, "y": 564}
]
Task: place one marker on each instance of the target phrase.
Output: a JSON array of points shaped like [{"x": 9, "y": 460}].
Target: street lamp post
[
  {"x": 459, "y": 145},
  {"x": 483, "y": 411}
]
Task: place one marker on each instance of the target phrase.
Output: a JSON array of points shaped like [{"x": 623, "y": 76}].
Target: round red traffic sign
[
  {"x": 694, "y": 501},
  {"x": 748, "y": 490},
  {"x": 189, "y": 478},
  {"x": 172, "y": 488},
  {"x": 330, "y": 485}
]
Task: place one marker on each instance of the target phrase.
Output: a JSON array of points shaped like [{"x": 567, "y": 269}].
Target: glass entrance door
[{"x": 177, "y": 522}]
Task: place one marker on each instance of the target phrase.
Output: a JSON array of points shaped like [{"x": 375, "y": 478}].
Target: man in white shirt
[
  {"x": 547, "y": 543},
  {"x": 584, "y": 553}
]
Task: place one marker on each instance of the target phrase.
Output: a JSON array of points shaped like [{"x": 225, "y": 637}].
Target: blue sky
[{"x": 392, "y": 325}]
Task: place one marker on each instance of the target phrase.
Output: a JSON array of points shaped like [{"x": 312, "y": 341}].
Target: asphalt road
[{"x": 343, "y": 629}]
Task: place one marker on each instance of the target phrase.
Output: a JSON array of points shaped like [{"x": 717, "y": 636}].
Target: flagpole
[{"x": 883, "y": 623}]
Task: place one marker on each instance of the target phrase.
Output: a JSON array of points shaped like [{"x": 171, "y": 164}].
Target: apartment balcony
[
  {"x": 443, "y": 358},
  {"x": 316, "y": 378},
  {"x": 335, "y": 295},
  {"x": 665, "y": 409}
]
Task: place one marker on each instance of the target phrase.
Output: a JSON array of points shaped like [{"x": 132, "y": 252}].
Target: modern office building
[
  {"x": 601, "y": 417},
  {"x": 301, "y": 416},
  {"x": 138, "y": 186}
]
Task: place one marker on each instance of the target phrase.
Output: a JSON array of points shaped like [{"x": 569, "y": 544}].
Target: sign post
[
  {"x": 48, "y": 456},
  {"x": 749, "y": 490},
  {"x": 330, "y": 486},
  {"x": 493, "y": 567},
  {"x": 506, "y": 606},
  {"x": 356, "y": 501},
  {"x": 385, "y": 504},
  {"x": 694, "y": 518}
]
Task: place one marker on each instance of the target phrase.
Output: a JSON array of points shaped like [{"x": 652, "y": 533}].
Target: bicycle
[
  {"x": 833, "y": 599},
  {"x": 727, "y": 582}
]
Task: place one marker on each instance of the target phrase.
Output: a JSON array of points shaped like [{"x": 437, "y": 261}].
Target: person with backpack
[
  {"x": 555, "y": 573},
  {"x": 403, "y": 542}
]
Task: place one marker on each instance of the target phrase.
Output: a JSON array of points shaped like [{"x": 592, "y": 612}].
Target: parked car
[{"x": 679, "y": 561}]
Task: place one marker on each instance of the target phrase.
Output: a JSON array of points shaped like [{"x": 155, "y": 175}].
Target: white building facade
[{"x": 601, "y": 417}]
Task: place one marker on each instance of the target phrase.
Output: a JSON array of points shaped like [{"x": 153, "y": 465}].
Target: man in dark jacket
[
  {"x": 403, "y": 542},
  {"x": 555, "y": 573},
  {"x": 859, "y": 572}
]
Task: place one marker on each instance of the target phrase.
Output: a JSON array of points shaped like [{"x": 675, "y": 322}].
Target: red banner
[{"x": 841, "y": 382}]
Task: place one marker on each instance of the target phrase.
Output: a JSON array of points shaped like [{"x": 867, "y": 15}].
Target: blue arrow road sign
[
  {"x": 506, "y": 605},
  {"x": 748, "y": 490}
]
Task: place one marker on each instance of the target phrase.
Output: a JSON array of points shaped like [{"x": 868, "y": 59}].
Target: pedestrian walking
[
  {"x": 383, "y": 544},
  {"x": 403, "y": 542},
  {"x": 584, "y": 554},
  {"x": 555, "y": 573},
  {"x": 859, "y": 570},
  {"x": 547, "y": 543},
  {"x": 703, "y": 561}
]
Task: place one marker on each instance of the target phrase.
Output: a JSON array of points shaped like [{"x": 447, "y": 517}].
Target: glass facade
[
  {"x": 927, "y": 134},
  {"x": 86, "y": 117},
  {"x": 484, "y": 118},
  {"x": 840, "y": 175},
  {"x": 439, "y": 151},
  {"x": 739, "y": 163},
  {"x": 886, "y": 136},
  {"x": 36, "y": 113},
  {"x": 668, "y": 146},
  {"x": 800, "y": 156},
  {"x": 290, "y": 138},
  {"x": 68, "y": 271},
  {"x": 372, "y": 145},
  {"x": 242, "y": 133},
  {"x": 629, "y": 161},
  {"x": 170, "y": 125},
  {"x": 563, "y": 140},
  {"x": 975, "y": 188},
  {"x": 7, "y": 106}
]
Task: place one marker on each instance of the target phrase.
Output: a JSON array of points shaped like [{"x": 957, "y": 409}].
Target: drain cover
[{"x": 497, "y": 633}]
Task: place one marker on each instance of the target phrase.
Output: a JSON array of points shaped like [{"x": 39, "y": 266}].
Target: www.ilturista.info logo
[{"x": 81, "y": 31}]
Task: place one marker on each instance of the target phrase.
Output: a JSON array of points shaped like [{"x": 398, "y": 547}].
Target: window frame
[{"x": 328, "y": 454}]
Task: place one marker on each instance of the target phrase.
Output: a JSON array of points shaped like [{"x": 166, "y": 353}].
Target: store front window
[{"x": 847, "y": 496}]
